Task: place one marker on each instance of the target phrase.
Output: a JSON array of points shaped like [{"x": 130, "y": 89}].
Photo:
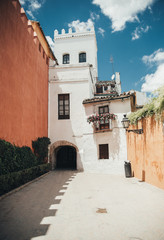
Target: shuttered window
[
  {"x": 104, "y": 109},
  {"x": 103, "y": 151},
  {"x": 63, "y": 106}
]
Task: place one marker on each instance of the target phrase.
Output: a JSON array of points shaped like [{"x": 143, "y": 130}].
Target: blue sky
[{"x": 131, "y": 31}]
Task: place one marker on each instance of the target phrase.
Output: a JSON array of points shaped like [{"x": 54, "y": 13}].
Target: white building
[{"x": 74, "y": 95}]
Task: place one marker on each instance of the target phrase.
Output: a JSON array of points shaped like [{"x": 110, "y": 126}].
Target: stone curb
[{"x": 22, "y": 186}]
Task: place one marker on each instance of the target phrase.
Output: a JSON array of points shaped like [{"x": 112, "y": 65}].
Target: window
[
  {"x": 63, "y": 106},
  {"x": 82, "y": 57},
  {"x": 66, "y": 59},
  {"x": 103, "y": 151},
  {"x": 105, "y": 88},
  {"x": 104, "y": 109},
  {"x": 99, "y": 89},
  {"x": 104, "y": 124}
]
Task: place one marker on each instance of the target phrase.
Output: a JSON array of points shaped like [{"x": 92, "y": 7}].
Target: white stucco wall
[
  {"x": 116, "y": 140},
  {"x": 78, "y": 131},
  {"x": 76, "y": 82},
  {"x": 141, "y": 98}
]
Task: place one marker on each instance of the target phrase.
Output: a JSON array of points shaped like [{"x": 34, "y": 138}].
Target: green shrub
[
  {"x": 7, "y": 157},
  {"x": 25, "y": 157},
  {"x": 16, "y": 179},
  {"x": 14, "y": 158},
  {"x": 40, "y": 147}
]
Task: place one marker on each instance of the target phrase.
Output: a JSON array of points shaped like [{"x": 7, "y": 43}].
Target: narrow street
[{"x": 67, "y": 205}]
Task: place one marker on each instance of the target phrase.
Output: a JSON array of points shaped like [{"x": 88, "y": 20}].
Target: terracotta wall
[
  {"x": 146, "y": 152},
  {"x": 23, "y": 78}
]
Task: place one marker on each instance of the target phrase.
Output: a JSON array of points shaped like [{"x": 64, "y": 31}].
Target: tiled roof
[{"x": 108, "y": 98}]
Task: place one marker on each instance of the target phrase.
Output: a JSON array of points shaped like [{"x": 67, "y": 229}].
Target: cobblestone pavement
[{"x": 67, "y": 205}]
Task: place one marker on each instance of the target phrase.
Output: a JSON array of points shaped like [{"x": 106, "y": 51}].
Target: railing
[
  {"x": 103, "y": 125},
  {"x": 102, "y": 122}
]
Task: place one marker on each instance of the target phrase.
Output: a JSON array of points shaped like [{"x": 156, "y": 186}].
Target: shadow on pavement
[{"x": 22, "y": 212}]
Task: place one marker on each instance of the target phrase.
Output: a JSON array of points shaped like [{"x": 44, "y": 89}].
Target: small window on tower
[
  {"x": 66, "y": 59},
  {"x": 82, "y": 57}
]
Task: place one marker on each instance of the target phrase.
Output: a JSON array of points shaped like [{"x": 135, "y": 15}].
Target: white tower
[{"x": 76, "y": 48}]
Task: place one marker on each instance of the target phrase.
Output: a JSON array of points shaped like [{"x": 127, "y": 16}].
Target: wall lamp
[{"x": 126, "y": 122}]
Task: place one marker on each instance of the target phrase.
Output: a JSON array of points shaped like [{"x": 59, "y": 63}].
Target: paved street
[{"x": 66, "y": 205}]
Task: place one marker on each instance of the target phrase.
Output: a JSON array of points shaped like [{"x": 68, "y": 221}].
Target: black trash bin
[{"x": 128, "y": 171}]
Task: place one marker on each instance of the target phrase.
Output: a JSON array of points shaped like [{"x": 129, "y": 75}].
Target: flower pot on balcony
[
  {"x": 97, "y": 124},
  {"x": 102, "y": 121},
  {"x": 106, "y": 120}
]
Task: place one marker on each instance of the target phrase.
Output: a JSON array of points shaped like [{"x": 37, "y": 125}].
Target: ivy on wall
[{"x": 154, "y": 107}]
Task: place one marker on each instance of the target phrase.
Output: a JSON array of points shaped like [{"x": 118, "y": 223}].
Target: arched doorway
[{"x": 65, "y": 157}]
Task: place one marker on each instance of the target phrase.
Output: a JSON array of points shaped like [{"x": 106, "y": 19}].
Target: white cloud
[
  {"x": 35, "y": 5},
  {"x": 30, "y": 14},
  {"x": 139, "y": 31},
  {"x": 101, "y": 31},
  {"x": 135, "y": 34},
  {"x": 154, "y": 80},
  {"x": 86, "y": 26},
  {"x": 51, "y": 42},
  {"x": 122, "y": 11},
  {"x": 81, "y": 26},
  {"x": 94, "y": 16},
  {"x": 150, "y": 9},
  {"x": 32, "y": 6},
  {"x": 157, "y": 57}
]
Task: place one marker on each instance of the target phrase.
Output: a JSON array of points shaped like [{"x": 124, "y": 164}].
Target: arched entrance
[{"x": 65, "y": 157}]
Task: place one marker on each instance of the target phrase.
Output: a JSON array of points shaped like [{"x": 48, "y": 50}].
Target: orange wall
[
  {"x": 23, "y": 79},
  {"x": 146, "y": 152}
]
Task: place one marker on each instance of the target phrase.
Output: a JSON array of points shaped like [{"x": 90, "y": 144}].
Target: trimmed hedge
[
  {"x": 14, "y": 158},
  {"x": 40, "y": 146},
  {"x": 16, "y": 179}
]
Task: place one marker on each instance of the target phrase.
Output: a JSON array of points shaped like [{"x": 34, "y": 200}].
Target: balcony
[
  {"x": 101, "y": 122},
  {"x": 103, "y": 126}
]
